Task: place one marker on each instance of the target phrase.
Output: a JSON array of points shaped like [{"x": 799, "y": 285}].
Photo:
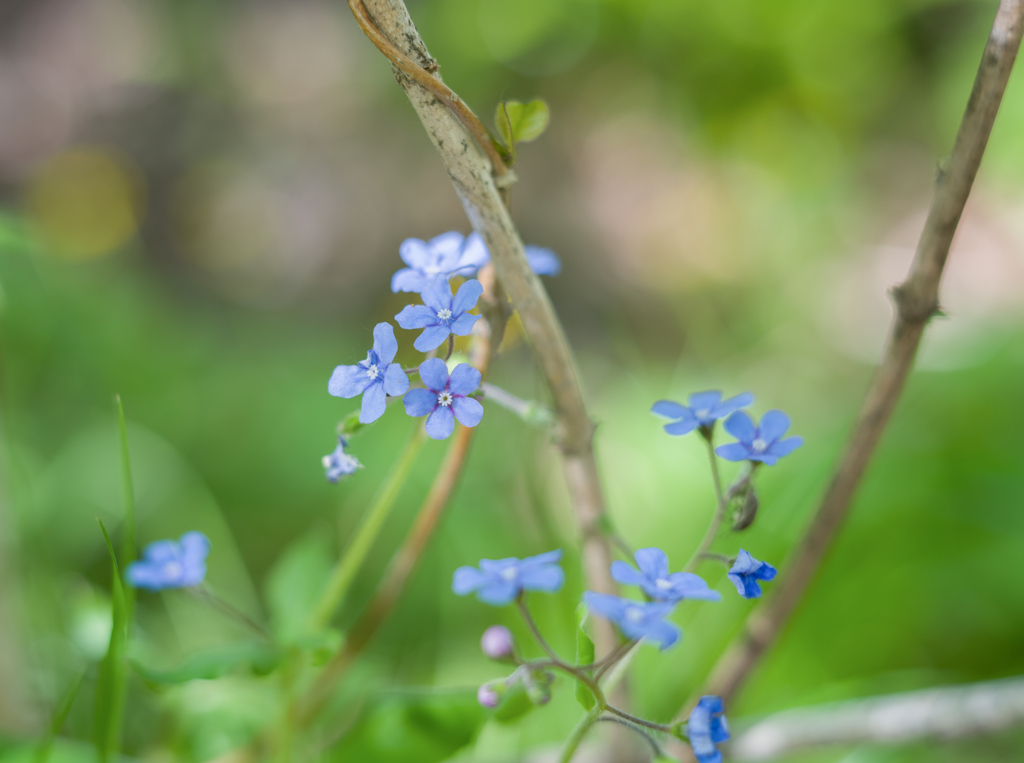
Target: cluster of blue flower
[{"x": 444, "y": 398}]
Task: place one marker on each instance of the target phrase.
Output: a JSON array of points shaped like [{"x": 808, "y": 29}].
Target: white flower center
[
  {"x": 703, "y": 413},
  {"x": 373, "y": 372},
  {"x": 662, "y": 584},
  {"x": 509, "y": 573},
  {"x": 326, "y": 461},
  {"x": 172, "y": 569},
  {"x": 432, "y": 269},
  {"x": 444, "y": 314},
  {"x": 759, "y": 445},
  {"x": 634, "y": 614},
  {"x": 445, "y": 399}
]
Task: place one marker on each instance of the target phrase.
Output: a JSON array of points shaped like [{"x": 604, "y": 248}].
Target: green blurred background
[{"x": 202, "y": 204}]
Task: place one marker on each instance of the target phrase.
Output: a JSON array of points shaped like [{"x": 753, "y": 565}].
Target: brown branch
[
  {"x": 470, "y": 173},
  {"x": 916, "y": 301}
]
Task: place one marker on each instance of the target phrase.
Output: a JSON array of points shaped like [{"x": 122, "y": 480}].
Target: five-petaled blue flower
[
  {"x": 745, "y": 573},
  {"x": 374, "y": 377},
  {"x": 705, "y": 409},
  {"x": 442, "y": 257},
  {"x": 441, "y": 314},
  {"x": 758, "y": 443},
  {"x": 656, "y": 581},
  {"x": 171, "y": 563},
  {"x": 707, "y": 727},
  {"x": 636, "y": 619},
  {"x": 340, "y": 464},
  {"x": 452, "y": 254},
  {"x": 500, "y": 581},
  {"x": 444, "y": 398}
]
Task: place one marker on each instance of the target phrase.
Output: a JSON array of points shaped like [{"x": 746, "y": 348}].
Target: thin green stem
[
  {"x": 716, "y": 520},
  {"x": 580, "y": 731},
  {"x": 214, "y": 599},
  {"x": 536, "y": 632},
  {"x": 128, "y": 532},
  {"x": 639, "y": 721},
  {"x": 655, "y": 748},
  {"x": 348, "y": 565}
]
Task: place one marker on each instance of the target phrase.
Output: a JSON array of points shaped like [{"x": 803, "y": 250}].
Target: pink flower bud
[
  {"x": 487, "y": 696},
  {"x": 497, "y": 643}
]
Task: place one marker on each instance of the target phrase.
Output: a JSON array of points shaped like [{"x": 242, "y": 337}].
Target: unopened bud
[
  {"x": 497, "y": 643},
  {"x": 488, "y": 696}
]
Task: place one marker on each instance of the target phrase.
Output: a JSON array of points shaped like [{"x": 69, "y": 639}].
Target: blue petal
[
  {"x": 464, "y": 380},
  {"x": 726, "y": 407},
  {"x": 781, "y": 448},
  {"x": 416, "y": 317},
  {"x": 467, "y": 296},
  {"x": 396, "y": 381},
  {"x": 740, "y": 426},
  {"x": 679, "y": 428},
  {"x": 773, "y": 425},
  {"x": 548, "y": 557},
  {"x": 765, "y": 572},
  {"x": 543, "y": 261},
  {"x": 468, "y": 411},
  {"x": 446, "y": 250},
  {"x": 466, "y": 580},
  {"x": 733, "y": 451},
  {"x": 440, "y": 423},
  {"x": 670, "y": 410},
  {"x": 384, "y": 343},
  {"x": 438, "y": 295},
  {"x": 374, "y": 403},
  {"x": 419, "y": 401},
  {"x": 662, "y": 633},
  {"x": 690, "y": 586},
  {"x": 719, "y": 730},
  {"x": 431, "y": 338},
  {"x": 434, "y": 374},
  {"x": 497, "y": 566},
  {"x": 548, "y": 578},
  {"x": 463, "y": 325},
  {"x": 704, "y": 401},
  {"x": 162, "y": 551},
  {"x": 652, "y": 562},
  {"x": 744, "y": 563},
  {"x": 627, "y": 574},
  {"x": 348, "y": 381},
  {"x": 606, "y": 605},
  {"x": 474, "y": 253},
  {"x": 194, "y": 546},
  {"x": 415, "y": 253},
  {"x": 764, "y": 458},
  {"x": 408, "y": 280},
  {"x": 498, "y": 593},
  {"x": 141, "y": 575}
]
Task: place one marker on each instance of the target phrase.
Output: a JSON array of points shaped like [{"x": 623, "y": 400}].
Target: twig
[
  {"x": 941, "y": 713},
  {"x": 916, "y": 301},
  {"x": 471, "y": 177}
]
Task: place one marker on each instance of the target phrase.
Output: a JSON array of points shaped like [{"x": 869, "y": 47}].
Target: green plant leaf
[
  {"x": 110, "y": 686},
  {"x": 294, "y": 586},
  {"x": 584, "y": 656},
  {"x": 214, "y": 662},
  {"x": 413, "y": 727},
  {"x": 514, "y": 704},
  {"x": 521, "y": 122}
]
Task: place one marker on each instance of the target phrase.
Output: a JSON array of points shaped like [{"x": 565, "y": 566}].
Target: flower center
[
  {"x": 634, "y": 614},
  {"x": 662, "y": 584},
  {"x": 326, "y": 461},
  {"x": 373, "y": 372},
  {"x": 445, "y": 399},
  {"x": 445, "y": 314},
  {"x": 509, "y": 573},
  {"x": 172, "y": 569},
  {"x": 703, "y": 413},
  {"x": 759, "y": 445}
]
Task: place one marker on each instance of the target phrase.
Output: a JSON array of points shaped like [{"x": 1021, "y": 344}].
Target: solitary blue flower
[
  {"x": 758, "y": 443},
  {"x": 374, "y": 377},
  {"x": 340, "y": 464},
  {"x": 636, "y": 619},
  {"x": 707, "y": 727},
  {"x": 745, "y": 573},
  {"x": 452, "y": 254},
  {"x": 441, "y": 314},
  {"x": 444, "y": 398},
  {"x": 705, "y": 409},
  {"x": 442, "y": 257},
  {"x": 500, "y": 581},
  {"x": 171, "y": 563},
  {"x": 656, "y": 581}
]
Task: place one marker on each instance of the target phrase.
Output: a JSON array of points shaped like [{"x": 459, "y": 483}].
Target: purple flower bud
[
  {"x": 497, "y": 643},
  {"x": 487, "y": 696}
]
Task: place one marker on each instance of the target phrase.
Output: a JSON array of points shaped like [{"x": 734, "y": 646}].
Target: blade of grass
[
  {"x": 60, "y": 714},
  {"x": 128, "y": 531},
  {"x": 110, "y": 687}
]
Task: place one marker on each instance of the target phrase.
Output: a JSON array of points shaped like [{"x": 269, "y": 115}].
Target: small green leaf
[
  {"x": 584, "y": 656},
  {"x": 215, "y": 662},
  {"x": 294, "y": 586},
  {"x": 521, "y": 122},
  {"x": 110, "y": 686}
]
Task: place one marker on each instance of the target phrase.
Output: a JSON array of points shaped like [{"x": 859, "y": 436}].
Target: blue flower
[
  {"x": 171, "y": 563},
  {"x": 655, "y": 580},
  {"x": 704, "y": 410},
  {"x": 444, "y": 398},
  {"x": 340, "y": 464},
  {"x": 707, "y": 727},
  {"x": 636, "y": 619},
  {"x": 374, "y": 377},
  {"x": 745, "y": 573},
  {"x": 760, "y": 443},
  {"x": 500, "y": 581},
  {"x": 452, "y": 254},
  {"x": 442, "y": 257},
  {"x": 441, "y": 314}
]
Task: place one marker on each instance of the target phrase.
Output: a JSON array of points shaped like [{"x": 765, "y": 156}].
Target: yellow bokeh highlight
[{"x": 86, "y": 202}]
